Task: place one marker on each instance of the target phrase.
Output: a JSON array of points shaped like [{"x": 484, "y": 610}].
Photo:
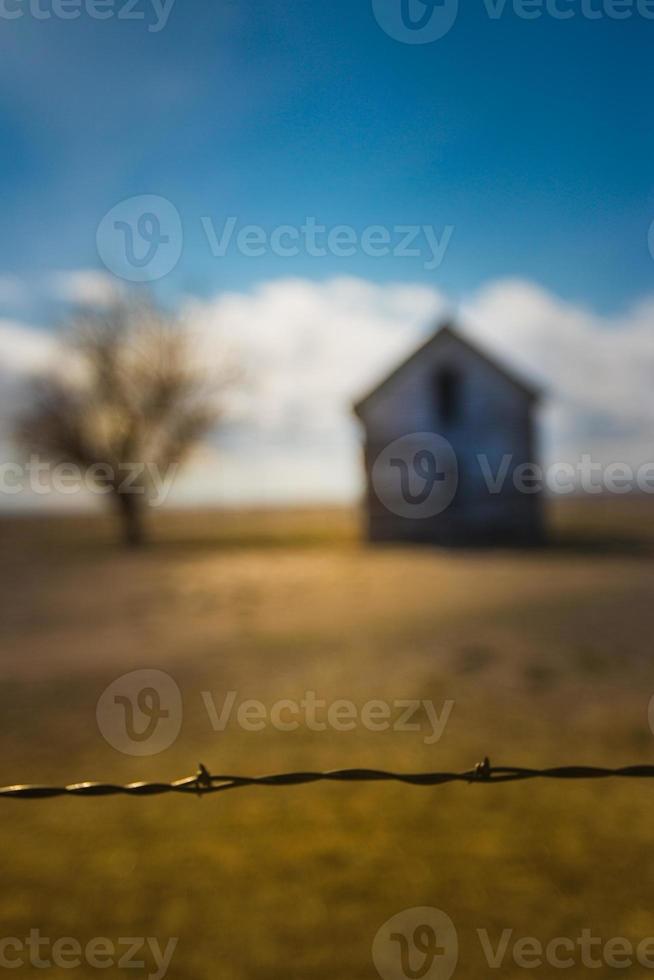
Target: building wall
[{"x": 496, "y": 418}]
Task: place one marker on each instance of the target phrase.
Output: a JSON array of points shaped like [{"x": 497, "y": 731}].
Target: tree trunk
[{"x": 130, "y": 511}]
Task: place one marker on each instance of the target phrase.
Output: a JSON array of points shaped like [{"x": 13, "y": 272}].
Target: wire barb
[
  {"x": 204, "y": 782},
  {"x": 483, "y": 770}
]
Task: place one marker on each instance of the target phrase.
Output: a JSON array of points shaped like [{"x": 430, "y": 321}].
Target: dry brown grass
[{"x": 546, "y": 655}]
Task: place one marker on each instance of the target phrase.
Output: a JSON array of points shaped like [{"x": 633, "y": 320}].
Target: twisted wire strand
[{"x": 204, "y": 783}]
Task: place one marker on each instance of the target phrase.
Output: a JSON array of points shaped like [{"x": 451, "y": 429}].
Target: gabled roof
[{"x": 445, "y": 332}]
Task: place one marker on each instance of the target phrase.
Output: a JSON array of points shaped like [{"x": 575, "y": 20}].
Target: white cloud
[
  {"x": 312, "y": 348},
  {"x": 596, "y": 371},
  {"x": 309, "y": 349},
  {"x": 23, "y": 349},
  {"x": 84, "y": 287}
]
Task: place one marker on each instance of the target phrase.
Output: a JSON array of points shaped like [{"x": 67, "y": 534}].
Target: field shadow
[
  {"x": 600, "y": 545},
  {"x": 574, "y": 528}
]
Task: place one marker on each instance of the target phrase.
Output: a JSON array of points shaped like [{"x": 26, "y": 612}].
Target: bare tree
[{"x": 132, "y": 401}]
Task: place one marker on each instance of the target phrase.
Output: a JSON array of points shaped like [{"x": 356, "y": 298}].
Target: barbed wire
[{"x": 204, "y": 783}]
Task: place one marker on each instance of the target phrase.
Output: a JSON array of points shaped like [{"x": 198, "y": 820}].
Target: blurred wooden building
[{"x": 448, "y": 436}]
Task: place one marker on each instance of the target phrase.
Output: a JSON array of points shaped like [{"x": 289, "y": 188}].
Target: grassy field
[{"x": 545, "y": 654}]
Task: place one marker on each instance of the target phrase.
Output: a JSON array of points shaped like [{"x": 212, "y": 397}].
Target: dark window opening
[{"x": 448, "y": 395}]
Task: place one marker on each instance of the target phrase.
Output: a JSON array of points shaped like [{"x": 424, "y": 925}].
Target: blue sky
[
  {"x": 524, "y": 145},
  {"x": 532, "y": 138}
]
